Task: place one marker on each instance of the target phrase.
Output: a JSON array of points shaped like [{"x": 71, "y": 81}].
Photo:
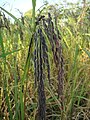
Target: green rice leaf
[
  {"x": 8, "y": 53},
  {"x": 87, "y": 52}
]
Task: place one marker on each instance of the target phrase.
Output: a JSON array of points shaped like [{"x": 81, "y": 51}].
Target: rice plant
[{"x": 45, "y": 63}]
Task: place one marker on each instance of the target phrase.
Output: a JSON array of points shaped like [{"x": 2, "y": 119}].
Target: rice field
[{"x": 45, "y": 63}]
